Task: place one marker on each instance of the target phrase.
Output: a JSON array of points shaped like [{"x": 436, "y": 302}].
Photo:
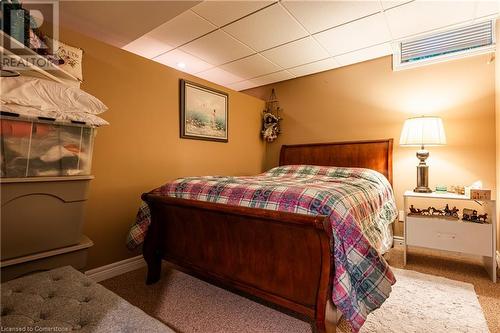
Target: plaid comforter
[{"x": 360, "y": 205}]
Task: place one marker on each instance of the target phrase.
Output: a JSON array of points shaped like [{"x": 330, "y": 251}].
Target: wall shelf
[{"x": 17, "y": 51}]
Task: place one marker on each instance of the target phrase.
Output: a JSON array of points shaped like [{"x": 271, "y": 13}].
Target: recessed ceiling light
[{"x": 181, "y": 65}]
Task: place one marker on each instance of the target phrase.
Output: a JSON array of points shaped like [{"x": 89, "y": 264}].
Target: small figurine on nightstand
[
  {"x": 451, "y": 212},
  {"x": 446, "y": 212},
  {"x": 426, "y": 211},
  {"x": 414, "y": 211},
  {"x": 482, "y": 218},
  {"x": 470, "y": 215},
  {"x": 437, "y": 212}
]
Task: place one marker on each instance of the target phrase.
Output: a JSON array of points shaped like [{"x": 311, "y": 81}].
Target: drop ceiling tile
[
  {"x": 320, "y": 15},
  {"x": 181, "y": 29},
  {"x": 219, "y": 76},
  {"x": 242, "y": 85},
  {"x": 217, "y": 48},
  {"x": 314, "y": 67},
  {"x": 393, "y": 3},
  {"x": 369, "y": 53},
  {"x": 147, "y": 47},
  {"x": 267, "y": 28},
  {"x": 356, "y": 35},
  {"x": 223, "y": 12},
  {"x": 296, "y": 53},
  {"x": 422, "y": 16},
  {"x": 487, "y": 8},
  {"x": 183, "y": 61},
  {"x": 252, "y": 66},
  {"x": 271, "y": 78}
]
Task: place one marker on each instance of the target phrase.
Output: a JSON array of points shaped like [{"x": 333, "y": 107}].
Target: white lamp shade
[{"x": 422, "y": 131}]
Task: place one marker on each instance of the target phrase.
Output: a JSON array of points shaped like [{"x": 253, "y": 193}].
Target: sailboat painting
[{"x": 203, "y": 112}]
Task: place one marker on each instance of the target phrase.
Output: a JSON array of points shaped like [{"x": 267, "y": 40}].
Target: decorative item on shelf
[
  {"x": 446, "y": 212},
  {"x": 478, "y": 194},
  {"x": 70, "y": 58},
  {"x": 483, "y": 218},
  {"x": 441, "y": 189},
  {"x": 477, "y": 185},
  {"x": 421, "y": 132},
  {"x": 471, "y": 215},
  {"x": 451, "y": 212},
  {"x": 271, "y": 119},
  {"x": 457, "y": 189},
  {"x": 24, "y": 28},
  {"x": 414, "y": 211}
]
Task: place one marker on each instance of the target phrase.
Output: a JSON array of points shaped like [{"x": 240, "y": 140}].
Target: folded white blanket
[
  {"x": 48, "y": 95},
  {"x": 33, "y": 97},
  {"x": 32, "y": 112}
]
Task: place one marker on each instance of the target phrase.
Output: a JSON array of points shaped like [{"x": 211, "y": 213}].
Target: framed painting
[{"x": 203, "y": 112}]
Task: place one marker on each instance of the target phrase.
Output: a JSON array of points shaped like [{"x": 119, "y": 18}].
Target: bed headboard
[{"x": 372, "y": 154}]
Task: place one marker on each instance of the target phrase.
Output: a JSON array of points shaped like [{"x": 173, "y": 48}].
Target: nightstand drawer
[{"x": 458, "y": 236}]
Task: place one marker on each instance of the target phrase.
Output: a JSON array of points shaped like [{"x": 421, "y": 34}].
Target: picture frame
[{"x": 203, "y": 112}]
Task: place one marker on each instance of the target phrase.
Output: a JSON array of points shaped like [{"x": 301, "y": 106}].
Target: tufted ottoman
[{"x": 63, "y": 300}]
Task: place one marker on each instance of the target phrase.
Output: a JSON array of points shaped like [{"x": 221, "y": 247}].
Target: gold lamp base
[{"x": 422, "y": 172}]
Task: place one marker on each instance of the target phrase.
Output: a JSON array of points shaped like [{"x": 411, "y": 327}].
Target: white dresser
[{"x": 442, "y": 233}]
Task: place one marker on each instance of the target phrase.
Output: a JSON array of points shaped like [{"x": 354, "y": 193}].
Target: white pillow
[
  {"x": 31, "y": 112},
  {"x": 48, "y": 95}
]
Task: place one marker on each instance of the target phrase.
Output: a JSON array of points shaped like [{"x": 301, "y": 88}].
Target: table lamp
[{"x": 421, "y": 132}]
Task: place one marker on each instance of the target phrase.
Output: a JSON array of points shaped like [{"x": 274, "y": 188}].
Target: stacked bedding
[
  {"x": 36, "y": 98},
  {"x": 47, "y": 128}
]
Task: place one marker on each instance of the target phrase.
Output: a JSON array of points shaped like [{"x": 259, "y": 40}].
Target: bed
[{"x": 279, "y": 257}]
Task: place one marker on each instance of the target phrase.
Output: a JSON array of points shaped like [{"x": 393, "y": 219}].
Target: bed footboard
[{"x": 282, "y": 258}]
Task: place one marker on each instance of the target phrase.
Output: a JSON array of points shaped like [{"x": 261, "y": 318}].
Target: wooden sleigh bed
[{"x": 279, "y": 257}]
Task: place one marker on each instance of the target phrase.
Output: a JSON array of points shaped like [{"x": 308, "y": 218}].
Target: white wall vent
[{"x": 460, "y": 42}]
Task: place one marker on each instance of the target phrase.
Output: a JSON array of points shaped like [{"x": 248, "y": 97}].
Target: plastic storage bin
[
  {"x": 41, "y": 213},
  {"x": 75, "y": 256},
  {"x": 44, "y": 148}
]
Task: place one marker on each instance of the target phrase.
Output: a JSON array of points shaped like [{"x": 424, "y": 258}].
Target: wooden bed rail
[{"x": 280, "y": 257}]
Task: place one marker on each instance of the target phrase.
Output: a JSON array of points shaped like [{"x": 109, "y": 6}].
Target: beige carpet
[
  {"x": 459, "y": 269},
  {"x": 211, "y": 309},
  {"x": 187, "y": 305},
  {"x": 423, "y": 303}
]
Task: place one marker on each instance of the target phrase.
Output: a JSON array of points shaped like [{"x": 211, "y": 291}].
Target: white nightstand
[{"x": 440, "y": 233}]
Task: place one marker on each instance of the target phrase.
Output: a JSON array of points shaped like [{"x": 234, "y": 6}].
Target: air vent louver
[{"x": 450, "y": 44}]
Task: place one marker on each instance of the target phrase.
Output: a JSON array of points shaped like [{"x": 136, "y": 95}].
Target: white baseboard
[
  {"x": 399, "y": 241},
  {"x": 117, "y": 268}
]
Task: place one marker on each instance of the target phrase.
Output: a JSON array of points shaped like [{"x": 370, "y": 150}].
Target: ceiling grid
[{"x": 243, "y": 44}]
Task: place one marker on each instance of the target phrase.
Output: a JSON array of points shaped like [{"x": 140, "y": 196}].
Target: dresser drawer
[{"x": 457, "y": 236}]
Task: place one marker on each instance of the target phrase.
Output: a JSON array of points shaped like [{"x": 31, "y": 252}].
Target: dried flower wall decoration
[{"x": 271, "y": 119}]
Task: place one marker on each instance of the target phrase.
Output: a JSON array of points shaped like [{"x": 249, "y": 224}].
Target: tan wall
[
  {"x": 141, "y": 149},
  {"x": 497, "y": 117},
  {"x": 370, "y": 101}
]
